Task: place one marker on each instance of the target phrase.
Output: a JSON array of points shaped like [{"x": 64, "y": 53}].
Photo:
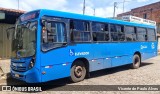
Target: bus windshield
[{"x": 24, "y": 39}]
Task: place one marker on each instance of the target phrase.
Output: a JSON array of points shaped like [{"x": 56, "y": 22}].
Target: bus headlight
[{"x": 31, "y": 64}]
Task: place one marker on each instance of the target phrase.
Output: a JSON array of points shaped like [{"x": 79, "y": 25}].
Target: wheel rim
[{"x": 78, "y": 71}]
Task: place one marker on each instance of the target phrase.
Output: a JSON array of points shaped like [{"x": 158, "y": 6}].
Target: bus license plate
[{"x": 16, "y": 75}]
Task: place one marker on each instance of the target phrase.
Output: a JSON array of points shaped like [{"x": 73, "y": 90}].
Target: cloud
[
  {"x": 28, "y": 5},
  {"x": 104, "y": 8},
  {"x": 102, "y": 11},
  {"x": 142, "y": 0},
  {"x": 8, "y": 4},
  {"x": 46, "y": 4},
  {"x": 107, "y": 11}
]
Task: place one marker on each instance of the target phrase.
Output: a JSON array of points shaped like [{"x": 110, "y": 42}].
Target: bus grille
[{"x": 19, "y": 69}]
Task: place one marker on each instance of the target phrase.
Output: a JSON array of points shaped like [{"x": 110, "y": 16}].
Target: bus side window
[
  {"x": 120, "y": 31},
  {"x": 141, "y": 34},
  {"x": 151, "y": 35},
  {"x": 113, "y": 31},
  {"x": 80, "y": 31},
  {"x": 54, "y": 35},
  {"x": 130, "y": 33},
  {"x": 100, "y": 31}
]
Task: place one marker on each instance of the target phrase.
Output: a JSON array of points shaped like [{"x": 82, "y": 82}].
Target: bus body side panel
[
  {"x": 101, "y": 57},
  {"x": 57, "y": 63},
  {"x": 120, "y": 53},
  {"x": 123, "y": 53},
  {"x": 112, "y": 54},
  {"x": 148, "y": 50},
  {"x": 117, "y": 54}
]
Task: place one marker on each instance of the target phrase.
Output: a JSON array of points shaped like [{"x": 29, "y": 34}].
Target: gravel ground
[{"x": 147, "y": 74}]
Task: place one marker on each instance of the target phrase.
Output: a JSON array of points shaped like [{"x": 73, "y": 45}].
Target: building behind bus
[{"x": 8, "y": 18}]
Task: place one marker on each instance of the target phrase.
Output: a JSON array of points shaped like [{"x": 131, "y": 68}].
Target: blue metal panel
[
  {"x": 121, "y": 60},
  {"x": 60, "y": 59},
  {"x": 107, "y": 63},
  {"x": 61, "y": 56},
  {"x": 55, "y": 71},
  {"x": 30, "y": 76},
  {"x": 96, "y": 64}
]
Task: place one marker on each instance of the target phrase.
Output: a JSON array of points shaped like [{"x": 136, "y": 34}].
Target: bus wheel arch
[
  {"x": 81, "y": 63},
  {"x": 138, "y": 53},
  {"x": 136, "y": 60}
]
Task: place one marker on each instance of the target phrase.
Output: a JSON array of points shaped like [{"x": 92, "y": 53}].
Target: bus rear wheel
[
  {"x": 136, "y": 61},
  {"x": 78, "y": 71}
]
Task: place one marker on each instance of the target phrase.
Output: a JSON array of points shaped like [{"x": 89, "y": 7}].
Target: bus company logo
[
  {"x": 81, "y": 53},
  {"x": 143, "y": 47},
  {"x": 152, "y": 46},
  {"x": 71, "y": 52}
]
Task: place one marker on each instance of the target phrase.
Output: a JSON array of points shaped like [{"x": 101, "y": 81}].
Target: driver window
[{"x": 53, "y": 35}]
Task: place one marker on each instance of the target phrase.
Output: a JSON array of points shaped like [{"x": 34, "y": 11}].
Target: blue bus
[{"x": 49, "y": 45}]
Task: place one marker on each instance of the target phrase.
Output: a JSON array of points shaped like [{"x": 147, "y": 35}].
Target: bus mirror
[{"x": 10, "y": 32}]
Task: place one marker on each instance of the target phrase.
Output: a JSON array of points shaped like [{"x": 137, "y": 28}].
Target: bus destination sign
[{"x": 29, "y": 16}]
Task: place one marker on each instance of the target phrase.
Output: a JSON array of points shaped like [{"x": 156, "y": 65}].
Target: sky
[{"x": 103, "y": 8}]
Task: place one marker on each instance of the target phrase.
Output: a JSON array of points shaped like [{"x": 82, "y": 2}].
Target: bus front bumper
[{"x": 30, "y": 76}]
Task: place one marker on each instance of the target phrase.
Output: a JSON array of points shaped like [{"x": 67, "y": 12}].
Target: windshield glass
[{"x": 24, "y": 39}]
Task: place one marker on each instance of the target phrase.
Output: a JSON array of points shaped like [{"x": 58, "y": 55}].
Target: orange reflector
[{"x": 43, "y": 72}]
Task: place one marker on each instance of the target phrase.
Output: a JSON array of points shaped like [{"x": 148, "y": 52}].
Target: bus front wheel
[
  {"x": 136, "y": 61},
  {"x": 78, "y": 71}
]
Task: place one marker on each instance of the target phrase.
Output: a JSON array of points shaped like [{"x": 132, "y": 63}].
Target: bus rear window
[{"x": 151, "y": 35}]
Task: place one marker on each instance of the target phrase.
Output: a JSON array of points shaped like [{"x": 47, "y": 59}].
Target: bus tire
[
  {"x": 136, "y": 61},
  {"x": 78, "y": 71}
]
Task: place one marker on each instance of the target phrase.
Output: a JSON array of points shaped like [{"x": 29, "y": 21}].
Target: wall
[{"x": 5, "y": 44}]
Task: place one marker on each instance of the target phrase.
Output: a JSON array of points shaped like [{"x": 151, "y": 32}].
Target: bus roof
[{"x": 89, "y": 18}]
